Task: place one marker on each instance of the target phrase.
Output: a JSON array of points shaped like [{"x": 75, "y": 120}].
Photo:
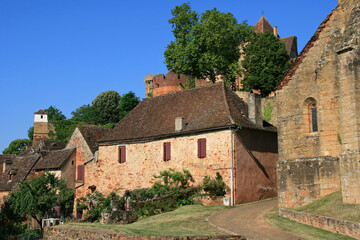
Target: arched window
[
  {"x": 311, "y": 114},
  {"x": 313, "y": 117}
]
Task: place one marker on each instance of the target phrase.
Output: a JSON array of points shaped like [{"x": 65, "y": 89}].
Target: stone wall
[
  {"x": 68, "y": 171},
  {"x": 344, "y": 227},
  {"x": 3, "y": 195},
  {"x": 67, "y": 233},
  {"x": 301, "y": 181},
  {"x": 325, "y": 74},
  {"x": 144, "y": 160}
]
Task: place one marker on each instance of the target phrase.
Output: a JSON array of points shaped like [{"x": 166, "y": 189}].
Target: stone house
[
  {"x": 318, "y": 114},
  {"x": 205, "y": 130}
]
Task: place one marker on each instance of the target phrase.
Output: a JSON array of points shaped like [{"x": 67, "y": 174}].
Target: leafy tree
[
  {"x": 208, "y": 47},
  {"x": 17, "y": 146},
  {"x": 63, "y": 129},
  {"x": 265, "y": 62},
  {"x": 38, "y": 196},
  {"x": 107, "y": 104},
  {"x": 128, "y": 102},
  {"x": 54, "y": 114},
  {"x": 31, "y": 133},
  {"x": 86, "y": 114}
]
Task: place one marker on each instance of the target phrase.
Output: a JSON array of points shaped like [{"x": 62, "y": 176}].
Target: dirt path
[{"x": 247, "y": 220}]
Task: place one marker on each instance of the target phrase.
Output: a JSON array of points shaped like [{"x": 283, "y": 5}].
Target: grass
[
  {"x": 184, "y": 221},
  {"x": 302, "y": 230},
  {"x": 331, "y": 206}
]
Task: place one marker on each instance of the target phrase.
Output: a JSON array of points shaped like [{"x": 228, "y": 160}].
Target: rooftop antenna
[{"x": 262, "y": 12}]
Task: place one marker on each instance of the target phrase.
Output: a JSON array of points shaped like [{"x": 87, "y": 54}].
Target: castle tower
[{"x": 41, "y": 128}]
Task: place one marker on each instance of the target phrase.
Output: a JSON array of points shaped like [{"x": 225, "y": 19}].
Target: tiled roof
[
  {"x": 6, "y": 158},
  {"x": 204, "y": 108},
  {"x": 54, "y": 159},
  {"x": 22, "y": 165},
  {"x": 289, "y": 45},
  {"x": 290, "y": 73},
  {"x": 41, "y": 111},
  {"x": 92, "y": 134},
  {"x": 263, "y": 25}
]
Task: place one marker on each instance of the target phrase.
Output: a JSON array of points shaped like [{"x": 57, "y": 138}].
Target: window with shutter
[
  {"x": 167, "y": 153},
  {"x": 201, "y": 147},
  {"x": 122, "y": 154},
  {"x": 80, "y": 175}
]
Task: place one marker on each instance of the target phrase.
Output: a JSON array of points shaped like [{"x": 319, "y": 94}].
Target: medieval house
[
  {"x": 318, "y": 114},
  {"x": 205, "y": 130}
]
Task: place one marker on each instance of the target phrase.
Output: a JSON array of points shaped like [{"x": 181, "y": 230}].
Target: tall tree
[
  {"x": 107, "y": 104},
  {"x": 265, "y": 62},
  {"x": 86, "y": 114},
  {"x": 207, "y": 48},
  {"x": 38, "y": 196},
  {"x": 128, "y": 102},
  {"x": 17, "y": 146},
  {"x": 54, "y": 114}
]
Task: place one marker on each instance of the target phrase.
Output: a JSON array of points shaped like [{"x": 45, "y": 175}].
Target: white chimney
[{"x": 179, "y": 124}]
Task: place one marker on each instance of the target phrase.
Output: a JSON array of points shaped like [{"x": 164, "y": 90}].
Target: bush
[
  {"x": 30, "y": 235},
  {"x": 216, "y": 187}
]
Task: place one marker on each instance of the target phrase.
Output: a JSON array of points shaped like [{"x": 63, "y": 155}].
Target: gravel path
[{"x": 247, "y": 220}]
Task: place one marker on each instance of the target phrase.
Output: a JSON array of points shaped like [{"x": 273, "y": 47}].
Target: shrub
[{"x": 215, "y": 186}]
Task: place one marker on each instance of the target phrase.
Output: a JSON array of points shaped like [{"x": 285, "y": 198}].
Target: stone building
[
  {"x": 318, "y": 114},
  {"x": 205, "y": 130},
  {"x": 42, "y": 127}
]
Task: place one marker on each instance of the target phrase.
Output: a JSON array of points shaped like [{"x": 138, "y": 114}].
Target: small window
[
  {"x": 314, "y": 123},
  {"x": 311, "y": 114},
  {"x": 80, "y": 175},
  {"x": 201, "y": 147},
  {"x": 122, "y": 154},
  {"x": 41, "y": 116},
  {"x": 167, "y": 153}
]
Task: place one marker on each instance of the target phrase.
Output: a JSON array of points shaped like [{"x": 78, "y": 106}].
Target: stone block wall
[
  {"x": 68, "y": 233},
  {"x": 344, "y": 227},
  {"x": 144, "y": 160},
  {"x": 302, "y": 181}
]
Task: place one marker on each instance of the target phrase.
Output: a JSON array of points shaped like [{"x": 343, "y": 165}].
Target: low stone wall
[
  {"x": 69, "y": 233},
  {"x": 344, "y": 227}
]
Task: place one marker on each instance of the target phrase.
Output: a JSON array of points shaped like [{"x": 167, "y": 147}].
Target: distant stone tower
[{"x": 41, "y": 127}]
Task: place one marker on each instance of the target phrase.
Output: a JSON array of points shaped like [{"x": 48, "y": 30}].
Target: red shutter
[
  {"x": 80, "y": 175},
  {"x": 202, "y": 147},
  {"x": 167, "y": 153},
  {"x": 122, "y": 154}
]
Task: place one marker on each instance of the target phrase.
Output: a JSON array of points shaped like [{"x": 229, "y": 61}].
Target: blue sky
[{"x": 65, "y": 52}]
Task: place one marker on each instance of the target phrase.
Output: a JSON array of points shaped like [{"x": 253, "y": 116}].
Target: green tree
[
  {"x": 17, "y": 146},
  {"x": 86, "y": 114},
  {"x": 63, "y": 130},
  {"x": 31, "y": 133},
  {"x": 38, "y": 196},
  {"x": 107, "y": 104},
  {"x": 265, "y": 62},
  {"x": 128, "y": 102},
  {"x": 208, "y": 47},
  {"x": 54, "y": 114}
]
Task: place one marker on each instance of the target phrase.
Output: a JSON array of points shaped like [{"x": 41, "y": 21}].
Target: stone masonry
[{"x": 313, "y": 163}]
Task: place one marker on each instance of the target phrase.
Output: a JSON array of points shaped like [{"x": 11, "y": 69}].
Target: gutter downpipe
[{"x": 232, "y": 169}]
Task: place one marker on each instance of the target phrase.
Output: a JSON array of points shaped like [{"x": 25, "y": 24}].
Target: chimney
[
  {"x": 275, "y": 31},
  {"x": 254, "y": 108},
  {"x": 179, "y": 124}
]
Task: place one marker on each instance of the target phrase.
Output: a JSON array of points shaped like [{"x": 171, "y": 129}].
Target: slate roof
[
  {"x": 92, "y": 134},
  {"x": 22, "y": 165},
  {"x": 41, "y": 111},
  {"x": 54, "y": 159},
  {"x": 204, "y": 108}
]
